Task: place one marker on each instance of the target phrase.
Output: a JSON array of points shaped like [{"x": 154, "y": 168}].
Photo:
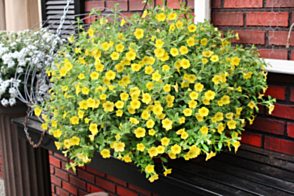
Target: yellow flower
[
  {"x": 140, "y": 147},
  {"x": 119, "y": 146},
  {"x": 248, "y": 75},
  {"x": 183, "y": 50},
  {"x": 159, "y": 43},
  {"x": 75, "y": 141},
  {"x": 108, "y": 106},
  {"x": 67, "y": 143},
  {"x": 204, "y": 130},
  {"x": 135, "y": 104},
  {"x": 139, "y": 33},
  {"x": 251, "y": 105},
  {"x": 57, "y": 133},
  {"x": 198, "y": 87},
  {"x": 85, "y": 91},
  {"x": 140, "y": 132},
  {"x": 172, "y": 16},
  {"x": 149, "y": 169},
  {"x": 229, "y": 115},
  {"x": 232, "y": 124},
  {"x": 220, "y": 128},
  {"x": 190, "y": 42},
  {"x": 71, "y": 39},
  {"x": 161, "y": 17},
  {"x": 184, "y": 135},
  {"x": 131, "y": 55},
  {"x": 210, "y": 155},
  {"x": 219, "y": 116},
  {"x": 127, "y": 159},
  {"x": 271, "y": 109},
  {"x": 135, "y": 67},
  {"x": 134, "y": 121},
  {"x": 81, "y": 76},
  {"x": 236, "y": 145},
  {"x": 169, "y": 98},
  {"x": 58, "y": 145},
  {"x": 119, "y": 104},
  {"x": 193, "y": 95},
  {"x": 176, "y": 149},
  {"x": 105, "y": 46},
  {"x": 149, "y": 70},
  {"x": 124, "y": 96},
  {"x": 152, "y": 152},
  {"x": 214, "y": 58},
  {"x": 165, "y": 67},
  {"x": 226, "y": 99},
  {"x": 187, "y": 112},
  {"x": 203, "y": 42},
  {"x": 207, "y": 53},
  {"x": 62, "y": 72},
  {"x": 179, "y": 24},
  {"x": 119, "y": 47},
  {"x": 93, "y": 128},
  {"x": 210, "y": 95},
  {"x": 74, "y": 120},
  {"x": 156, "y": 76},
  {"x": 94, "y": 75},
  {"x": 165, "y": 141},
  {"x": 119, "y": 113},
  {"x": 203, "y": 111},
  {"x": 159, "y": 52},
  {"x": 192, "y": 28},
  {"x": 216, "y": 79},
  {"x": 167, "y": 124},
  {"x": 185, "y": 63},
  {"x": 235, "y": 61},
  {"x": 192, "y": 104},
  {"x": 105, "y": 153},
  {"x": 87, "y": 120},
  {"x": 145, "y": 13},
  {"x": 99, "y": 67},
  {"x": 172, "y": 27},
  {"x": 146, "y": 98},
  {"x": 114, "y": 56},
  {"x": 37, "y": 111},
  {"x": 110, "y": 75},
  {"x": 192, "y": 78}
]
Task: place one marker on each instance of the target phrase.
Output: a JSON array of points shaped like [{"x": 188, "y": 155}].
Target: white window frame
[{"x": 202, "y": 11}]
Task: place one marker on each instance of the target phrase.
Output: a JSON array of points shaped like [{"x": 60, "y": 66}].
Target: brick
[
  {"x": 82, "y": 193},
  {"x": 89, "y": 19},
  {"x": 216, "y": 4},
  {"x": 55, "y": 180},
  {"x": 275, "y": 77},
  {"x": 86, "y": 176},
  {"x": 290, "y": 130},
  {"x": 227, "y": 19},
  {"x": 1, "y": 175},
  {"x": 280, "y": 38},
  {"x": 277, "y": 92},
  {"x": 279, "y": 3},
  {"x": 261, "y": 109},
  {"x": 1, "y": 160},
  {"x": 250, "y": 37},
  {"x": 292, "y": 94},
  {"x": 94, "y": 171},
  {"x": 273, "y": 54},
  {"x": 61, "y": 157},
  {"x": 284, "y": 111},
  {"x": 174, "y": 4},
  {"x": 61, "y": 192},
  {"x": 243, "y": 4},
  {"x": 70, "y": 188},
  {"x": 89, "y": 5},
  {"x": 61, "y": 174},
  {"x": 138, "y": 5},
  {"x": 50, "y": 152},
  {"x": 63, "y": 167},
  {"x": 279, "y": 145},
  {"x": 268, "y": 125},
  {"x": 93, "y": 189},
  {"x": 1, "y": 168},
  {"x": 122, "y": 5},
  {"x": 125, "y": 192},
  {"x": 105, "y": 184},
  {"x": 77, "y": 182},
  {"x": 267, "y": 19},
  {"x": 52, "y": 188},
  {"x": 190, "y": 4},
  {"x": 118, "y": 181},
  {"x": 52, "y": 170},
  {"x": 54, "y": 161},
  {"x": 292, "y": 55},
  {"x": 140, "y": 190},
  {"x": 251, "y": 139}
]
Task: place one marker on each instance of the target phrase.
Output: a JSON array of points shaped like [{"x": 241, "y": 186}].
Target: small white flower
[
  {"x": 12, "y": 101},
  {"x": 4, "y": 102}
]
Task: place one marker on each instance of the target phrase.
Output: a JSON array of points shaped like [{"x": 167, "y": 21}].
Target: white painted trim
[
  {"x": 280, "y": 66},
  {"x": 202, "y": 11}
]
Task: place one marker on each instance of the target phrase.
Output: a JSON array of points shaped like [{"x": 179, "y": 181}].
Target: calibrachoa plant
[{"x": 154, "y": 86}]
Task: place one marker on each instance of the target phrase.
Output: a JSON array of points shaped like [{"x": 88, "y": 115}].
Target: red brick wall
[
  {"x": 262, "y": 22},
  {"x": 87, "y": 180}
]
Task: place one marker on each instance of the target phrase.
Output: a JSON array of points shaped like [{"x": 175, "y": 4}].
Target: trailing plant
[{"x": 153, "y": 86}]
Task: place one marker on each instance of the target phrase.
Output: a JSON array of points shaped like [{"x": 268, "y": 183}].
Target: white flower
[
  {"x": 11, "y": 64},
  {"x": 4, "y": 102},
  {"x": 12, "y": 101}
]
